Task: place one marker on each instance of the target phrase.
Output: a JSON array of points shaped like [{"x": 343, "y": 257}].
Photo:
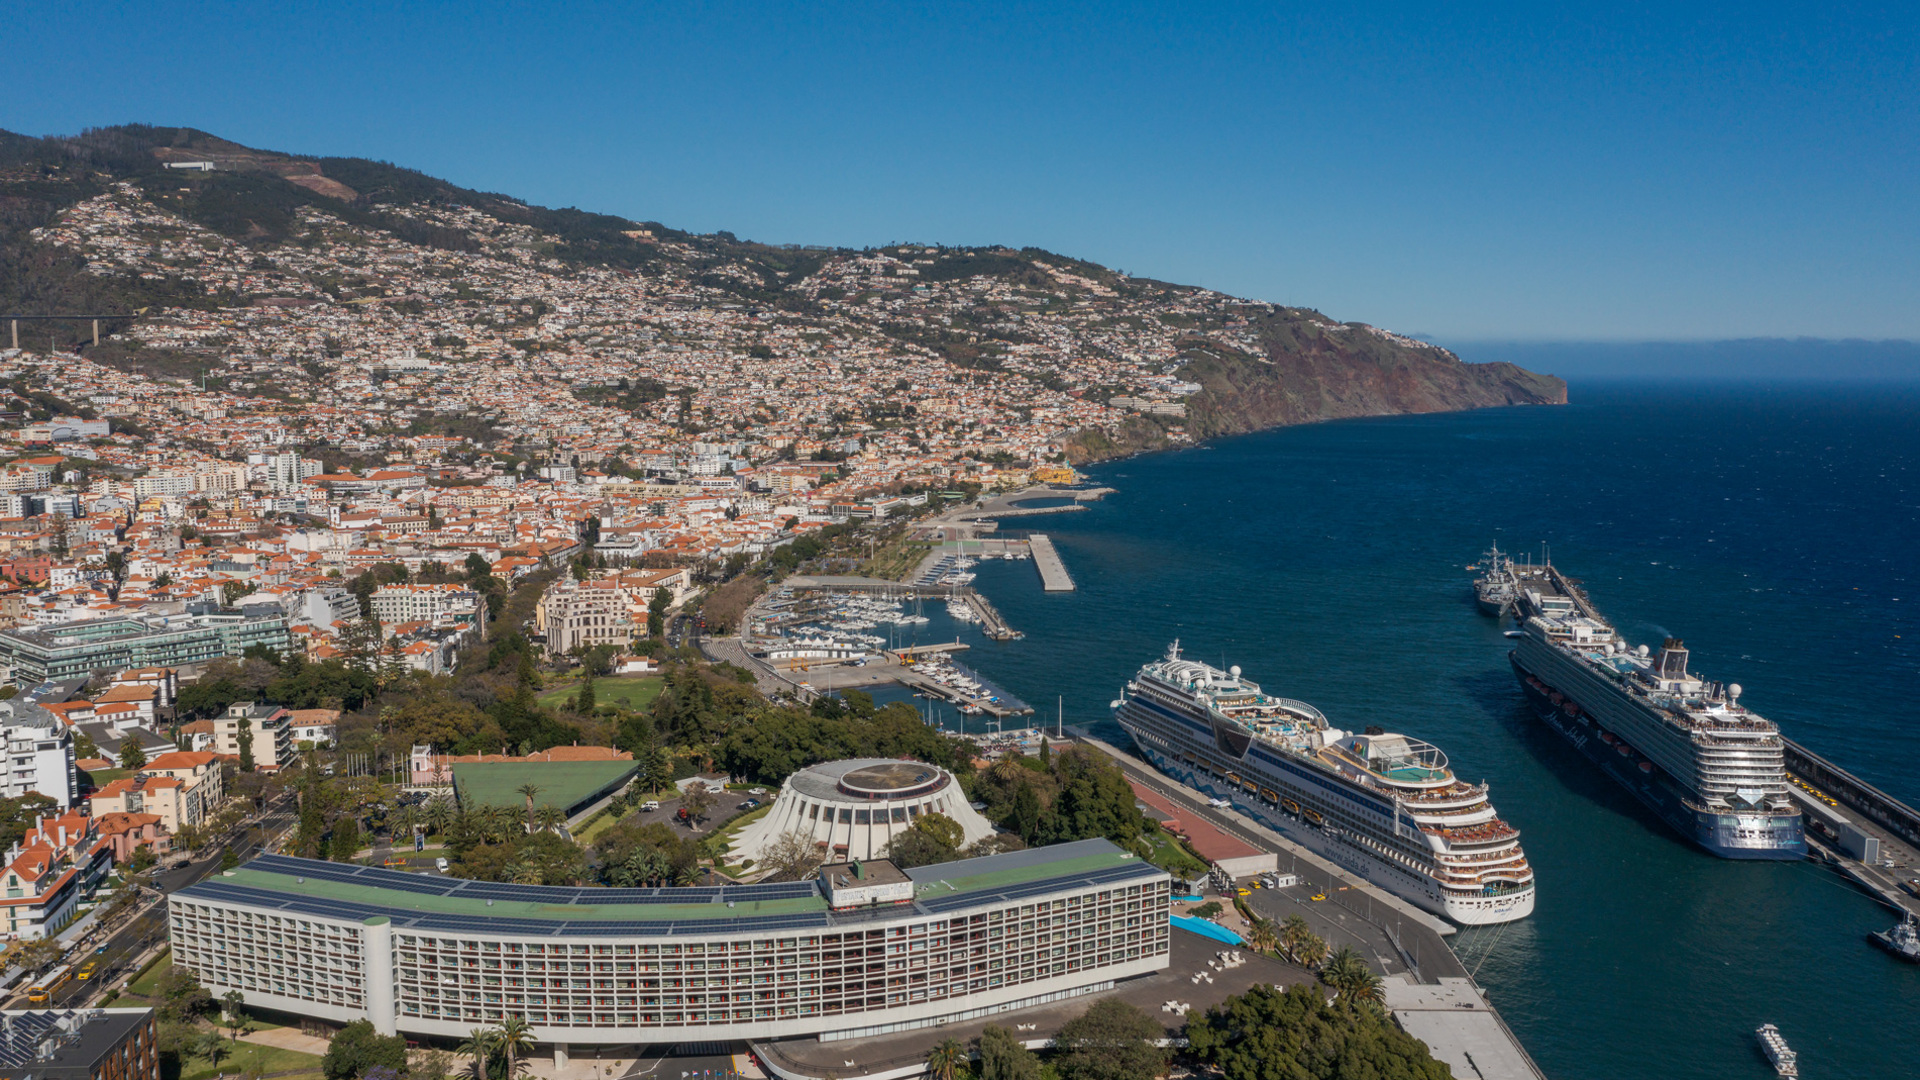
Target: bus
[{"x": 41, "y": 989}]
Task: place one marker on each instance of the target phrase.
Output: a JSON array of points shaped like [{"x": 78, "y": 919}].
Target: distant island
[{"x": 344, "y": 265}]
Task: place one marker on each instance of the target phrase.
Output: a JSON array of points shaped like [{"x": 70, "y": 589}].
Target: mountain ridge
[{"x": 1191, "y": 363}]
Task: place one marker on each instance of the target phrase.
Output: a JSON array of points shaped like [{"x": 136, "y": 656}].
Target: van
[
  {"x": 441, "y": 864},
  {"x": 649, "y": 806}
]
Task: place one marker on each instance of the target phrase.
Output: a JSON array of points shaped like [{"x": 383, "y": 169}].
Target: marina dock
[
  {"x": 1053, "y": 572},
  {"x": 991, "y": 624}
]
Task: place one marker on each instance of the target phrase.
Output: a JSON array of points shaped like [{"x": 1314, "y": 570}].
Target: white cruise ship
[{"x": 1384, "y": 805}]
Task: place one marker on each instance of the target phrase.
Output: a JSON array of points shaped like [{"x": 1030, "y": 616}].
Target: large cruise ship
[
  {"x": 1383, "y": 805},
  {"x": 1683, "y": 745}
]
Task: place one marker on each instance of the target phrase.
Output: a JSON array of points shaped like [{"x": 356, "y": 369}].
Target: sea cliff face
[{"x": 1312, "y": 370}]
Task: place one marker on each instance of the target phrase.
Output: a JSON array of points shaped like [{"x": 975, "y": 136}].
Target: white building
[
  {"x": 429, "y": 604},
  {"x": 39, "y": 751},
  {"x": 853, "y": 809},
  {"x": 272, "y": 729},
  {"x": 598, "y": 967}
]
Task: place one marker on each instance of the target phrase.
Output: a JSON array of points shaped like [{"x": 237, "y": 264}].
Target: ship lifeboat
[
  {"x": 1623, "y": 749},
  {"x": 1270, "y": 796},
  {"x": 1313, "y": 816},
  {"x": 1646, "y": 767},
  {"x": 1572, "y": 710},
  {"x": 1556, "y": 697},
  {"x": 1289, "y": 806},
  {"x": 1234, "y": 779},
  {"x": 1608, "y": 738}
]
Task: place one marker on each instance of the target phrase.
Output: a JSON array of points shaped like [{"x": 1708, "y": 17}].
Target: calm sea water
[{"x": 1774, "y": 528}]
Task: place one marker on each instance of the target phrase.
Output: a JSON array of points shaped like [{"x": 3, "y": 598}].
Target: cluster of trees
[
  {"x": 777, "y": 741},
  {"x": 641, "y": 852},
  {"x": 357, "y": 1050},
  {"x": 291, "y": 682},
  {"x": 1112, "y": 1040},
  {"x": 1296, "y": 1034},
  {"x": 1069, "y": 794}
]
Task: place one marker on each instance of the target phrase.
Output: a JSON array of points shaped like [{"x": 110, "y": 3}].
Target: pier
[
  {"x": 991, "y": 624},
  {"x": 1053, "y": 572}
]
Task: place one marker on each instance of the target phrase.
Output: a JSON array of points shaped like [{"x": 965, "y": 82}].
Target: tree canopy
[{"x": 1269, "y": 1034}]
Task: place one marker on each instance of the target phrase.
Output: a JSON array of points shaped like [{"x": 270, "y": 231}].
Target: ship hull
[
  {"x": 1727, "y": 835},
  {"x": 1323, "y": 840},
  {"x": 1493, "y": 608}
]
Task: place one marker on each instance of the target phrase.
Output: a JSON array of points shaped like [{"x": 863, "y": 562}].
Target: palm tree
[
  {"x": 659, "y": 868},
  {"x": 1311, "y": 951},
  {"x": 515, "y": 1037},
  {"x": 945, "y": 1059},
  {"x": 1292, "y": 933},
  {"x": 211, "y": 1046},
  {"x": 439, "y": 814},
  {"x": 1348, "y": 974},
  {"x": 529, "y": 790},
  {"x": 550, "y": 818},
  {"x": 690, "y": 874},
  {"x": 1263, "y": 937},
  {"x": 480, "y": 1044}
]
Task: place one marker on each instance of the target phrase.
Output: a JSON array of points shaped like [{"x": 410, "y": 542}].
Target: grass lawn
[
  {"x": 1168, "y": 855},
  {"x": 144, "y": 985},
  {"x": 570, "y": 785},
  {"x": 733, "y": 827},
  {"x": 629, "y": 691},
  {"x": 244, "y": 1057},
  {"x": 600, "y": 825}
]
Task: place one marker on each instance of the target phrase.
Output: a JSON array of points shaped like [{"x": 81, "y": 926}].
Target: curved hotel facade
[{"x": 866, "y": 950}]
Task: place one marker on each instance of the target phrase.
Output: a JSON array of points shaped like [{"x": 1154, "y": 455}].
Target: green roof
[
  {"x": 1015, "y": 868},
  {"x": 358, "y": 893},
  {"x": 568, "y": 785}
]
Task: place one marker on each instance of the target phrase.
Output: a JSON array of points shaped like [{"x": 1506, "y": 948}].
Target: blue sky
[{"x": 1499, "y": 173}]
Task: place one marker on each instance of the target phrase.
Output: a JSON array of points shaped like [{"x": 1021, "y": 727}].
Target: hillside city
[{"x": 374, "y": 525}]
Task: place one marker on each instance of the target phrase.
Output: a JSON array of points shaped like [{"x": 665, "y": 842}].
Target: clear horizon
[{"x": 1682, "y": 174}]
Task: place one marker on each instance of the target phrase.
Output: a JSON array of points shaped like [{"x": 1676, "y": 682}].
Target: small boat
[
  {"x": 1515, "y": 633},
  {"x": 1785, "y": 1061},
  {"x": 1902, "y": 941}
]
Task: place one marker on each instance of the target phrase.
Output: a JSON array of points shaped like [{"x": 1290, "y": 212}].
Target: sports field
[{"x": 570, "y": 785}]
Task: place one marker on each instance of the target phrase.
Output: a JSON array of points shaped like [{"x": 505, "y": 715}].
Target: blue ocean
[{"x": 1773, "y": 527}]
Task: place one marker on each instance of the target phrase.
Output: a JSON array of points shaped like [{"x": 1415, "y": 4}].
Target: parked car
[
  {"x": 750, "y": 804},
  {"x": 441, "y": 864},
  {"x": 649, "y": 806}
]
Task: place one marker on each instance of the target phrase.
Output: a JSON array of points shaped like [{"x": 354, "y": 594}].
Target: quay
[
  {"x": 1429, "y": 990},
  {"x": 991, "y": 624},
  {"x": 1053, "y": 572},
  {"x": 1868, "y": 836}
]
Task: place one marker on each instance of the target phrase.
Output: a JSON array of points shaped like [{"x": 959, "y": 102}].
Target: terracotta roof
[{"x": 182, "y": 759}]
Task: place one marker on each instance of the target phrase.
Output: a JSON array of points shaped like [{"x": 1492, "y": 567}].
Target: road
[
  {"x": 119, "y": 952},
  {"x": 1349, "y": 914}
]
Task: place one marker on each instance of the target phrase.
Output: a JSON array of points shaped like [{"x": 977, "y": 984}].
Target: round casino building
[
  {"x": 853, "y": 809},
  {"x": 866, "y": 949}
]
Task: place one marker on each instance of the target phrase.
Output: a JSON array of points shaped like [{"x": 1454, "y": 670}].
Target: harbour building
[{"x": 865, "y": 950}]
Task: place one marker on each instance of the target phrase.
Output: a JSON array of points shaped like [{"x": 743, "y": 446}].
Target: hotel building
[{"x": 868, "y": 949}]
